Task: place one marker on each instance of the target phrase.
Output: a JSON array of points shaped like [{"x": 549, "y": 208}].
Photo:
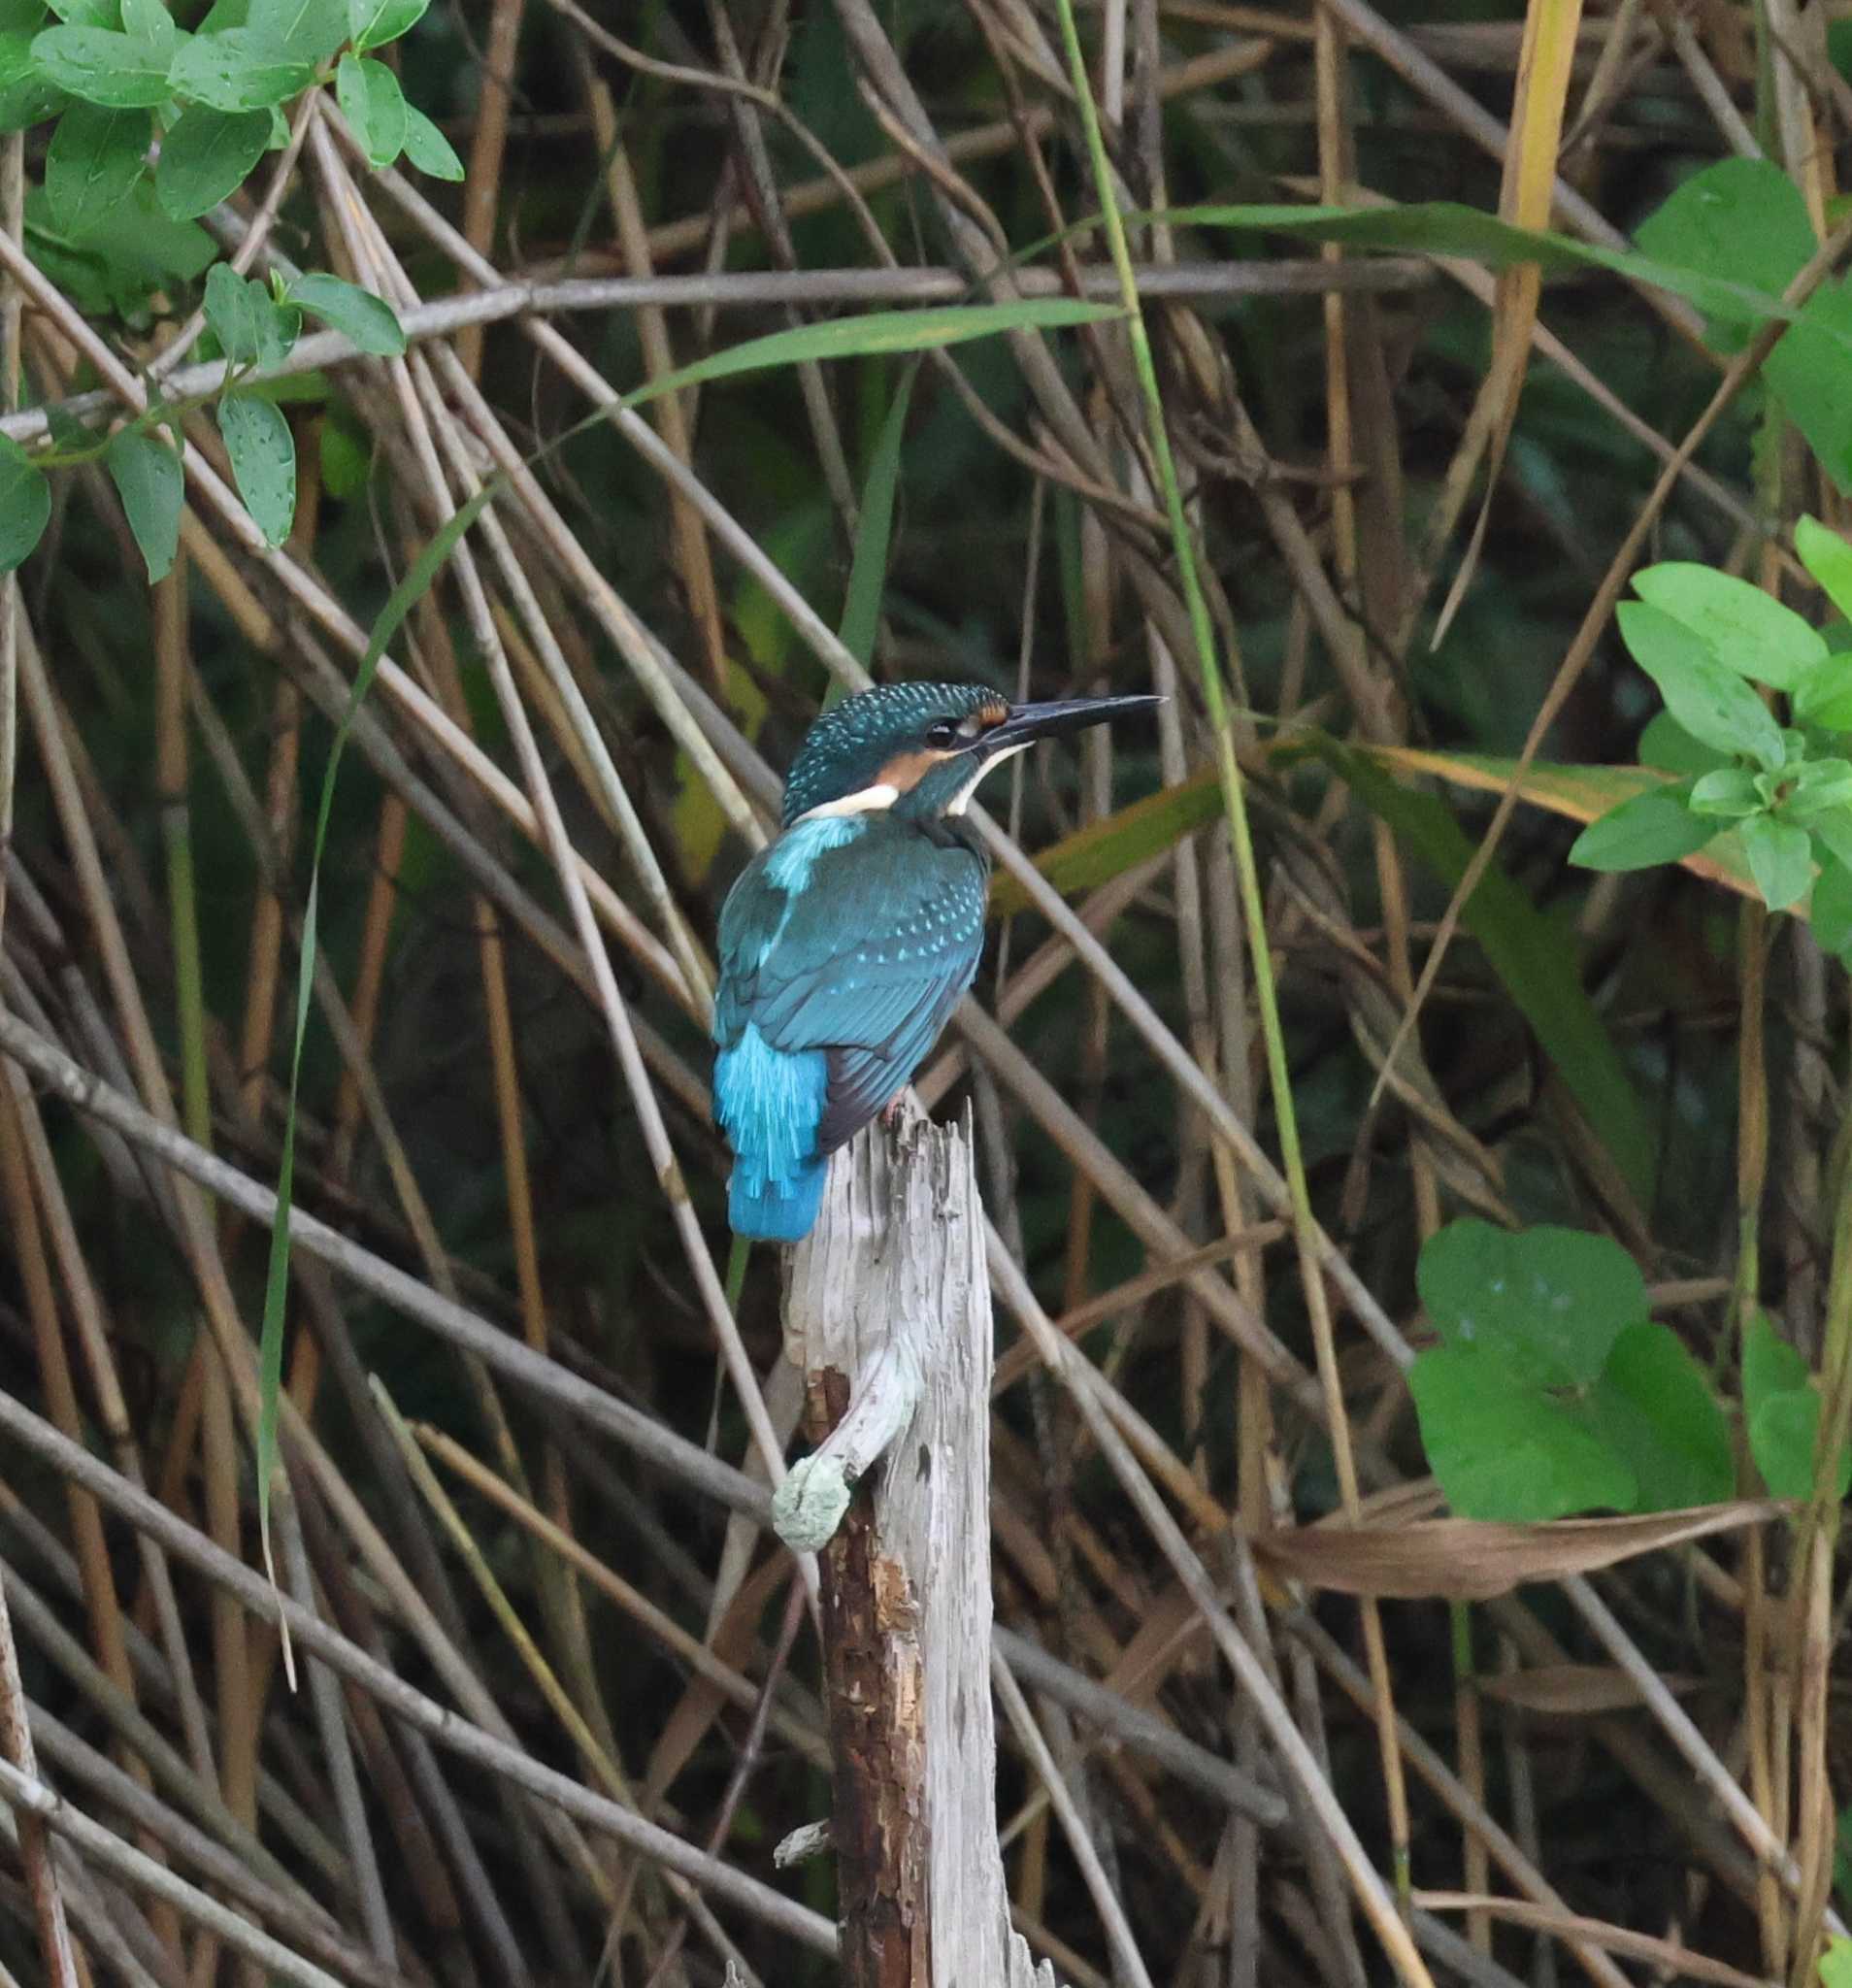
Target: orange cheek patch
[{"x": 906, "y": 770}]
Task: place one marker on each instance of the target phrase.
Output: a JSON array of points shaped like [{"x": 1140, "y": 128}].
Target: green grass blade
[
  {"x": 875, "y": 331},
  {"x": 875, "y": 530},
  {"x": 405, "y": 596}
]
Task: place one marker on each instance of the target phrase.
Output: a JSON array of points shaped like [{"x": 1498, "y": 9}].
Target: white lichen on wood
[{"x": 887, "y": 1312}]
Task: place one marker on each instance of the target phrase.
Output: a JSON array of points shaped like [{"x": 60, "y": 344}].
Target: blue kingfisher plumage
[{"x": 845, "y": 945}]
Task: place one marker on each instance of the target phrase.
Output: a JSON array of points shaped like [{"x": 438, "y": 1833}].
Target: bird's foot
[{"x": 891, "y": 1111}]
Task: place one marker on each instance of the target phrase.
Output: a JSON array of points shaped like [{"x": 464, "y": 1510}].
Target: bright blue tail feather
[
  {"x": 781, "y": 1212},
  {"x": 768, "y": 1102}
]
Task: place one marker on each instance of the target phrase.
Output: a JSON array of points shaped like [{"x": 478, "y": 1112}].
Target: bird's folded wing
[{"x": 866, "y": 963}]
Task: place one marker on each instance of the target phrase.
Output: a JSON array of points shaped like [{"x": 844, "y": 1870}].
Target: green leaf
[
  {"x": 1729, "y": 793},
  {"x": 404, "y": 597},
  {"x": 1832, "y": 908},
  {"x": 263, "y": 460},
  {"x": 238, "y": 70},
  {"x": 1640, "y": 833},
  {"x": 148, "y": 21},
  {"x": 26, "y": 504},
  {"x": 1771, "y": 1364},
  {"x": 1505, "y": 1451},
  {"x": 104, "y": 13},
  {"x": 206, "y": 156},
  {"x": 152, "y": 485},
  {"x": 1824, "y": 697},
  {"x": 1549, "y": 1302},
  {"x": 1668, "y": 747},
  {"x": 136, "y": 251},
  {"x": 1742, "y": 626},
  {"x": 868, "y": 569},
  {"x": 346, "y": 458},
  {"x": 1744, "y": 220},
  {"x": 101, "y": 66},
  {"x": 1806, "y": 371},
  {"x": 1835, "y": 1965},
  {"x": 875, "y": 331},
  {"x": 21, "y": 16},
  {"x": 373, "y": 23},
  {"x": 427, "y": 148},
  {"x": 307, "y": 30},
  {"x": 1780, "y": 859},
  {"x": 1781, "y": 1409},
  {"x": 1653, "y": 1406},
  {"x": 1708, "y": 699},
  {"x": 370, "y": 321},
  {"x": 1783, "y": 1433},
  {"x": 250, "y": 326},
  {"x": 94, "y": 160},
  {"x": 374, "y": 106},
  {"x": 1820, "y": 787},
  {"x": 27, "y": 94},
  {"x": 1828, "y": 558}
]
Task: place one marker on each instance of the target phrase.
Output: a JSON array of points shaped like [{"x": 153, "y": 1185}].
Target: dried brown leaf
[
  {"x": 1472, "y": 1560},
  {"x": 1575, "y": 1690}
]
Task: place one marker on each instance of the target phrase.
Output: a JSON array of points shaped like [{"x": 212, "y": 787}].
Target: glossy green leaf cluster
[
  {"x": 1784, "y": 790},
  {"x": 120, "y": 75},
  {"x": 1552, "y": 1391}
]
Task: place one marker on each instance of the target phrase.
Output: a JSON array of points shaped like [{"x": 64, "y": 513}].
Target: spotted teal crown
[{"x": 845, "y": 752}]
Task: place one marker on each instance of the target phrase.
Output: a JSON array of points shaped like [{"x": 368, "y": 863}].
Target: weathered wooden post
[{"x": 887, "y": 1312}]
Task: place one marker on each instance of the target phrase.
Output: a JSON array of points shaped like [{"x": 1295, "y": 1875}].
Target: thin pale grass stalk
[
  {"x": 671, "y": 412},
  {"x": 768, "y": 198},
  {"x": 745, "y": 1764},
  {"x": 105, "y": 1924},
  {"x": 1681, "y": 1729},
  {"x": 101, "y": 1600},
  {"x": 28, "y": 1795},
  {"x": 1676, "y": 1961},
  {"x": 1128, "y": 1962},
  {"x": 16, "y": 1749},
  {"x": 488, "y": 149},
  {"x": 306, "y": 1924},
  {"x": 1326, "y": 1871},
  {"x": 240, "y": 1709},
  {"x": 95, "y": 1338},
  {"x": 508, "y": 297},
  {"x": 458, "y": 1734},
  {"x": 690, "y": 1649},
  {"x": 140, "y": 1739},
  {"x": 324, "y": 1690}
]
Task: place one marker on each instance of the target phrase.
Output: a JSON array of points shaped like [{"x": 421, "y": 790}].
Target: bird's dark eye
[{"x": 944, "y": 733}]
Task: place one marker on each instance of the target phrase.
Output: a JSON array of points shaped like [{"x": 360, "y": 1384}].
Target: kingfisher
[{"x": 848, "y": 942}]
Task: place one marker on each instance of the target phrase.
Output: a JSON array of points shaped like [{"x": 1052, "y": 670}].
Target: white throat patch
[
  {"x": 961, "y": 800},
  {"x": 865, "y": 800}
]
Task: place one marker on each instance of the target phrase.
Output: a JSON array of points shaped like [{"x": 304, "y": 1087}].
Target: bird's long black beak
[{"x": 1027, "y": 722}]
